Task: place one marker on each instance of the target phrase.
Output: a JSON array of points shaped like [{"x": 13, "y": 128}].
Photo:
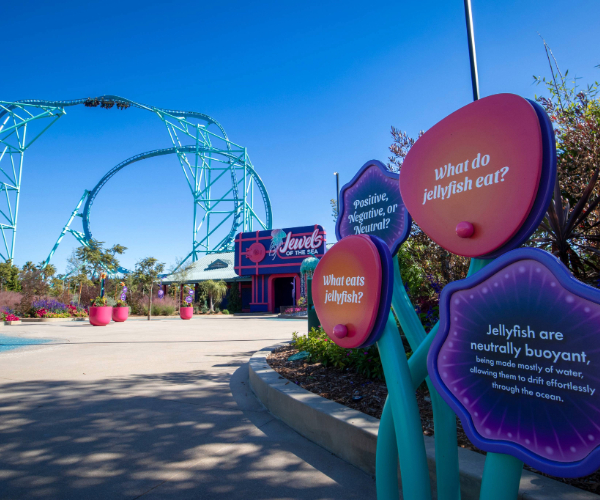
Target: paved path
[{"x": 154, "y": 410}]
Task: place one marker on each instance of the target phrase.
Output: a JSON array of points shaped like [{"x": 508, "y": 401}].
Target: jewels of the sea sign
[
  {"x": 371, "y": 204},
  {"x": 517, "y": 356}
]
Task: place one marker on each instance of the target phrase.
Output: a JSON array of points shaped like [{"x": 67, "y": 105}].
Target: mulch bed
[{"x": 368, "y": 396}]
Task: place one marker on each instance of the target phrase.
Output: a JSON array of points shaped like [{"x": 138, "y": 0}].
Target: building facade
[{"x": 272, "y": 259}]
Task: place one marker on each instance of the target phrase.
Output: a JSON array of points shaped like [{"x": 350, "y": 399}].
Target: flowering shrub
[
  {"x": 323, "y": 350},
  {"x": 10, "y": 317},
  {"x": 99, "y": 302},
  {"x": 50, "y": 305},
  {"x": 121, "y": 303},
  {"x": 49, "y": 308},
  {"x": 76, "y": 311},
  {"x": 290, "y": 310}
]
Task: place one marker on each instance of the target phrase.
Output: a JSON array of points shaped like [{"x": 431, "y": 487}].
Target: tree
[
  {"x": 145, "y": 274},
  {"x": 234, "y": 304},
  {"x": 571, "y": 229},
  {"x": 94, "y": 259},
  {"x": 48, "y": 270},
  {"x": 9, "y": 277},
  {"x": 33, "y": 286},
  {"x": 180, "y": 274},
  {"x": 215, "y": 290},
  {"x": 29, "y": 266}
]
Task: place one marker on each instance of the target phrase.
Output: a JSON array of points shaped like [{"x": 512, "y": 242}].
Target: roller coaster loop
[{"x": 209, "y": 160}]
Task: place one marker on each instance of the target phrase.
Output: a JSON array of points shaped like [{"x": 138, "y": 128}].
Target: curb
[
  {"x": 50, "y": 320},
  {"x": 352, "y": 435}
]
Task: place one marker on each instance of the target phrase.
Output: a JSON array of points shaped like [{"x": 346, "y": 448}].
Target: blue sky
[{"x": 308, "y": 87}]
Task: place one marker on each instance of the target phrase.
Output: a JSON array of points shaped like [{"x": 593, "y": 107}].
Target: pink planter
[
  {"x": 120, "y": 314},
  {"x": 100, "y": 316},
  {"x": 186, "y": 312}
]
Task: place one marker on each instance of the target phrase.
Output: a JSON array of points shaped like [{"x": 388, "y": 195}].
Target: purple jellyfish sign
[
  {"x": 371, "y": 204},
  {"x": 161, "y": 294},
  {"x": 516, "y": 357}
]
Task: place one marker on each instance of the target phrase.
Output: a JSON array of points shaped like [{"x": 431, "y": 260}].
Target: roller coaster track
[{"x": 207, "y": 148}]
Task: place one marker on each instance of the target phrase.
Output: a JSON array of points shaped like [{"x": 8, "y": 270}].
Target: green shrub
[
  {"x": 322, "y": 349},
  {"x": 225, "y": 311},
  {"x": 167, "y": 310}
]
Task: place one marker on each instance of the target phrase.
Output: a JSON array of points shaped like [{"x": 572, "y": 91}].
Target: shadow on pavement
[{"x": 174, "y": 435}]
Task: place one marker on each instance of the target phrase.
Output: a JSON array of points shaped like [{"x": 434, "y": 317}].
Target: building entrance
[{"x": 283, "y": 292}]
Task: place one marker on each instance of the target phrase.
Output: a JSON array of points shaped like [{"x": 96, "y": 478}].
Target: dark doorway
[
  {"x": 282, "y": 293},
  {"x": 246, "y": 297}
]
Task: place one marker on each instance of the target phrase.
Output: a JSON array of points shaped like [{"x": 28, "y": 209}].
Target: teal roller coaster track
[{"x": 206, "y": 157}]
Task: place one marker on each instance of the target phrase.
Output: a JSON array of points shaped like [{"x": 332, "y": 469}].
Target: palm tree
[{"x": 215, "y": 290}]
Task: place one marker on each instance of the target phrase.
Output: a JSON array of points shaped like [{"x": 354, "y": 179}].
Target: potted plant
[
  {"x": 100, "y": 313},
  {"x": 187, "y": 311},
  {"x": 120, "y": 311}
]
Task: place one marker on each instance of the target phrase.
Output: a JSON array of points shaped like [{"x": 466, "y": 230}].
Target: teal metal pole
[
  {"x": 501, "y": 477},
  {"x": 447, "y": 467},
  {"x": 386, "y": 457},
  {"x": 407, "y": 423},
  {"x": 446, "y": 446}
]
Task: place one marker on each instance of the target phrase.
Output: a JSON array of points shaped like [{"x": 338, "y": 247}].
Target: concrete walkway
[{"x": 154, "y": 410}]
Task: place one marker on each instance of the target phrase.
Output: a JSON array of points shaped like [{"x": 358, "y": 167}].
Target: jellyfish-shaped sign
[{"x": 277, "y": 237}]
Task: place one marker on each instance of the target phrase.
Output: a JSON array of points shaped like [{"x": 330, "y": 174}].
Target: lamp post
[
  {"x": 337, "y": 191},
  {"x": 472, "y": 56}
]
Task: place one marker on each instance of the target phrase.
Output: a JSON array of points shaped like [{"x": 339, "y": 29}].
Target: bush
[
  {"x": 160, "y": 307},
  {"x": 322, "y": 349},
  {"x": 225, "y": 311},
  {"x": 234, "y": 299},
  {"x": 168, "y": 310},
  {"x": 9, "y": 301}
]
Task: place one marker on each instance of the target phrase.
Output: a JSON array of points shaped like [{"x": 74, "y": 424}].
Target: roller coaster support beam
[
  {"x": 15, "y": 120},
  {"x": 67, "y": 229}
]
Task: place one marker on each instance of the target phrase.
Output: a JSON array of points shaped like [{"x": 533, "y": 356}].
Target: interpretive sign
[
  {"x": 346, "y": 290},
  {"x": 516, "y": 356},
  {"x": 371, "y": 204},
  {"x": 471, "y": 181}
]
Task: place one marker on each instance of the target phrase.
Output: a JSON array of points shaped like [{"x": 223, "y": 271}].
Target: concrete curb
[
  {"x": 352, "y": 435},
  {"x": 50, "y": 320}
]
